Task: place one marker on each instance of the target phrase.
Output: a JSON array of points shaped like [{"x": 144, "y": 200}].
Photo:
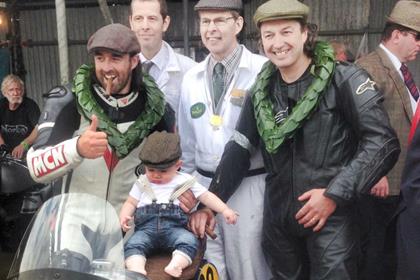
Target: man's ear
[
  {"x": 135, "y": 60},
  {"x": 305, "y": 34},
  {"x": 239, "y": 24},
  {"x": 178, "y": 164},
  {"x": 166, "y": 22},
  {"x": 395, "y": 35},
  {"x": 130, "y": 20}
]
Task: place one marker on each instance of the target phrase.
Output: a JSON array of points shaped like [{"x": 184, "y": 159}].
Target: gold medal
[{"x": 216, "y": 121}]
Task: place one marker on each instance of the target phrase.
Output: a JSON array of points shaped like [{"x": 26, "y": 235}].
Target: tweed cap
[
  {"x": 218, "y": 5},
  {"x": 114, "y": 37},
  {"x": 406, "y": 13},
  {"x": 161, "y": 150},
  {"x": 280, "y": 9}
]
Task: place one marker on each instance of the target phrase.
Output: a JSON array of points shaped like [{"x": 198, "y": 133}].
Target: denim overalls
[{"x": 161, "y": 226}]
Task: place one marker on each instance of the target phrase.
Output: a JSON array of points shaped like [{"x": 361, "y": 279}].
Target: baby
[{"x": 159, "y": 221}]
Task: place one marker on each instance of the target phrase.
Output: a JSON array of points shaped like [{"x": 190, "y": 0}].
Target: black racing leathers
[{"x": 345, "y": 146}]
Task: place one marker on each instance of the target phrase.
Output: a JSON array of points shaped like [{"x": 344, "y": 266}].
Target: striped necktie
[{"x": 409, "y": 82}]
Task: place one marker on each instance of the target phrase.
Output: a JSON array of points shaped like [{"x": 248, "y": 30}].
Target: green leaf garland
[
  {"x": 123, "y": 143},
  {"x": 274, "y": 134}
]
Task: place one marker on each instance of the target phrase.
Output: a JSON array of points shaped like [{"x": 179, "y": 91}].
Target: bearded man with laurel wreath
[
  {"x": 90, "y": 135},
  {"x": 325, "y": 139}
]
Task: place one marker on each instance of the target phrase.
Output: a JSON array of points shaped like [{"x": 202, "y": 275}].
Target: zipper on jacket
[
  {"x": 112, "y": 160},
  {"x": 294, "y": 201}
]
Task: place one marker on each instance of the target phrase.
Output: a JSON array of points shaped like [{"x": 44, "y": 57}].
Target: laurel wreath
[
  {"x": 274, "y": 134},
  {"x": 122, "y": 143}
]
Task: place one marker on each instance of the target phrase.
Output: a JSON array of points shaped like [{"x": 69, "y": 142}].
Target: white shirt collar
[
  {"x": 395, "y": 61},
  {"x": 397, "y": 64},
  {"x": 160, "y": 59}
]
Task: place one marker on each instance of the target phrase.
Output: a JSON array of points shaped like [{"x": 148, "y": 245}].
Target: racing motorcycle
[
  {"x": 20, "y": 197},
  {"x": 78, "y": 236},
  {"x": 73, "y": 236},
  {"x": 90, "y": 246}
]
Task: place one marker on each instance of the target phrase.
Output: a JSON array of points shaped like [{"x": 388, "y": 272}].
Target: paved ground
[
  {"x": 5, "y": 263},
  {"x": 11, "y": 232}
]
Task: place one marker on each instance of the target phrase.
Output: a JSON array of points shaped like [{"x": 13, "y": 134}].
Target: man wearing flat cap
[
  {"x": 399, "y": 45},
  {"x": 325, "y": 139},
  {"x": 89, "y": 135},
  {"x": 212, "y": 96}
]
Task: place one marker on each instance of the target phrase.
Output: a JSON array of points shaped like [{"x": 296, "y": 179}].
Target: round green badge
[{"x": 197, "y": 110}]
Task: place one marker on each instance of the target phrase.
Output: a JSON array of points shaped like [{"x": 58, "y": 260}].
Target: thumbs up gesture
[{"x": 92, "y": 144}]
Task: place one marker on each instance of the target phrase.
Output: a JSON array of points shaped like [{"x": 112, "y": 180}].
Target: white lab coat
[
  {"x": 202, "y": 145},
  {"x": 236, "y": 252},
  {"x": 169, "y": 79}
]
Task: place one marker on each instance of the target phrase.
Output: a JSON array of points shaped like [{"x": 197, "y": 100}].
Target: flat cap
[
  {"x": 406, "y": 13},
  {"x": 218, "y": 5},
  {"x": 161, "y": 150},
  {"x": 280, "y": 9},
  {"x": 114, "y": 37}
]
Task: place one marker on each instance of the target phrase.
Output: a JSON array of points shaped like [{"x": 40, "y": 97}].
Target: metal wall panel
[
  {"x": 344, "y": 20},
  {"x": 41, "y": 60}
]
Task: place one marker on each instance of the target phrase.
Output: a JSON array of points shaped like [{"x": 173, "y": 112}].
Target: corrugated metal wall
[
  {"x": 41, "y": 59},
  {"x": 345, "y": 20}
]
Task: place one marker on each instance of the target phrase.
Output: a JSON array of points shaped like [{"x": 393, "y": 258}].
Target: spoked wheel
[{"x": 207, "y": 271}]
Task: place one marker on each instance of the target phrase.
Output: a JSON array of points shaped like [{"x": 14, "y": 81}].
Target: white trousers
[{"x": 237, "y": 252}]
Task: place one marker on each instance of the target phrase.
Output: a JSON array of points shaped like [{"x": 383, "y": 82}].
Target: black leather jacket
[{"x": 345, "y": 146}]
